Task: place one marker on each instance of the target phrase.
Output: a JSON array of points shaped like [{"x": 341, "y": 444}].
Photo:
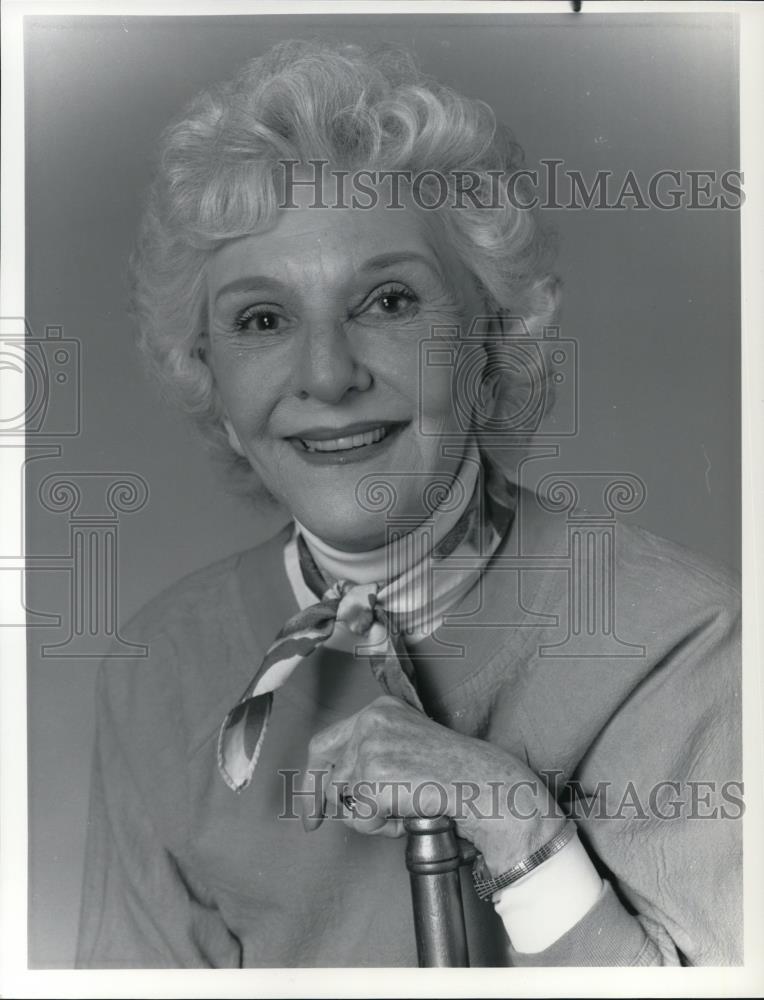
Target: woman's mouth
[
  {"x": 347, "y": 442},
  {"x": 346, "y": 447}
]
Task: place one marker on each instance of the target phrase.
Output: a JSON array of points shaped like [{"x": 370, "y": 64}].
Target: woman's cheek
[
  {"x": 246, "y": 387},
  {"x": 447, "y": 374},
  {"x": 436, "y": 410}
]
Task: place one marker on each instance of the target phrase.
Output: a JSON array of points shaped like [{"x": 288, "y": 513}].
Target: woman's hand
[{"x": 389, "y": 761}]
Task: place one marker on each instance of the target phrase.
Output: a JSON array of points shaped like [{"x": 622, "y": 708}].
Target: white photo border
[{"x": 17, "y": 979}]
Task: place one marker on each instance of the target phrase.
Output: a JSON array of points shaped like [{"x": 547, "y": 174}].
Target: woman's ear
[
  {"x": 233, "y": 437},
  {"x": 199, "y": 350}
]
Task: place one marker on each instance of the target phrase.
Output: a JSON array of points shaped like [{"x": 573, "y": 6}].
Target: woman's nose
[{"x": 328, "y": 366}]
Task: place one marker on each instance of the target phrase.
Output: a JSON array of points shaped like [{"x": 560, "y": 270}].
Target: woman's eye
[
  {"x": 259, "y": 319},
  {"x": 392, "y": 301}
]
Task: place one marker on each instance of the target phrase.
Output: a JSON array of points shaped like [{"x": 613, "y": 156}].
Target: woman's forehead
[{"x": 345, "y": 238}]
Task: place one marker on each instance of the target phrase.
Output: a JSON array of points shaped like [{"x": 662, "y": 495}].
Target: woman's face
[{"x": 314, "y": 332}]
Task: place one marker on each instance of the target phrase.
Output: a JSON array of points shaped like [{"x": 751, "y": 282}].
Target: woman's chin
[
  {"x": 348, "y": 532},
  {"x": 349, "y": 497}
]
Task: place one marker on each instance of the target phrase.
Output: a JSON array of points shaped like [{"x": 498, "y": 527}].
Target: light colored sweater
[{"x": 182, "y": 872}]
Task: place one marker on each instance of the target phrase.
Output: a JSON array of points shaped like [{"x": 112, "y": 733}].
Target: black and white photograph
[{"x": 378, "y": 509}]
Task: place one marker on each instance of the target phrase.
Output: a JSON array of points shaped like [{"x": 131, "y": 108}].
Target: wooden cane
[{"x": 433, "y": 859}]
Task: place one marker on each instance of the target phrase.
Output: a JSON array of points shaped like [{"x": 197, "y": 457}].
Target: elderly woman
[{"x": 313, "y": 226}]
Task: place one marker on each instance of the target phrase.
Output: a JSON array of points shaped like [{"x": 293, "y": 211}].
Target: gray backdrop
[{"x": 651, "y": 297}]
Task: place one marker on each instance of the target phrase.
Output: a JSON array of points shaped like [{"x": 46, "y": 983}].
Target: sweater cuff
[
  {"x": 543, "y": 905},
  {"x": 607, "y": 935}
]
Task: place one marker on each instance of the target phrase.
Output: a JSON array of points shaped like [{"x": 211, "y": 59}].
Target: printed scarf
[{"x": 381, "y": 613}]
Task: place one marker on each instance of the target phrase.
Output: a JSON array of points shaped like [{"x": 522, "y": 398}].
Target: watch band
[{"x": 486, "y": 886}]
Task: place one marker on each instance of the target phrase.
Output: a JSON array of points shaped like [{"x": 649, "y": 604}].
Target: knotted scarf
[{"x": 428, "y": 571}]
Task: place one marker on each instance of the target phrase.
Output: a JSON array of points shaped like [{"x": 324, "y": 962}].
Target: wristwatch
[{"x": 486, "y": 886}]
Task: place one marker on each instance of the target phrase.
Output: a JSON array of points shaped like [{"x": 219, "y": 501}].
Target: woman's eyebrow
[
  {"x": 381, "y": 261},
  {"x": 249, "y": 283},
  {"x": 378, "y": 263}
]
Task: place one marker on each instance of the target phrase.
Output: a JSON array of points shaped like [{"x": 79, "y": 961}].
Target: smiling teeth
[{"x": 346, "y": 443}]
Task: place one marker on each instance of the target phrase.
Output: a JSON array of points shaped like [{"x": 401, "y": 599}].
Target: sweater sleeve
[
  {"x": 140, "y": 905},
  {"x": 658, "y": 800},
  {"x": 607, "y": 935}
]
